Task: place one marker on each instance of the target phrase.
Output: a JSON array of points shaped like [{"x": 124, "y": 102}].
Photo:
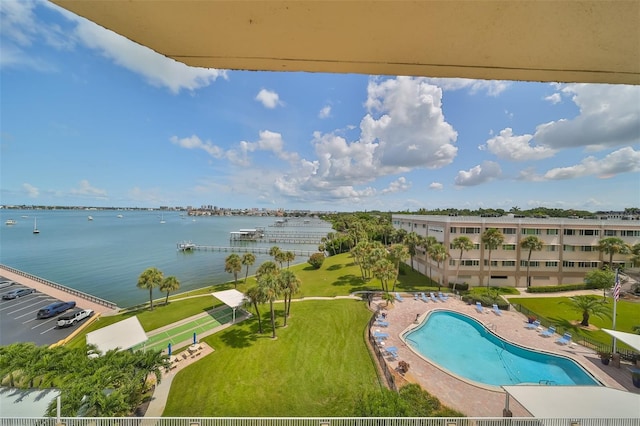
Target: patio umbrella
[
  {"x": 194, "y": 338},
  {"x": 169, "y": 350}
]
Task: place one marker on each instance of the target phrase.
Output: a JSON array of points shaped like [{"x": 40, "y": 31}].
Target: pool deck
[{"x": 467, "y": 397}]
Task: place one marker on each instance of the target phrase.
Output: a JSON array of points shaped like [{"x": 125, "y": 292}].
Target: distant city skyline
[{"x": 91, "y": 118}]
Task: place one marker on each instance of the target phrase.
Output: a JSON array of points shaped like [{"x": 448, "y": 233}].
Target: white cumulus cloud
[
  {"x": 624, "y": 160},
  {"x": 436, "y": 186},
  {"x": 85, "y": 189},
  {"x": 508, "y": 146},
  {"x": 268, "y": 98},
  {"x": 325, "y": 112},
  {"x": 554, "y": 99},
  {"x": 398, "y": 185},
  {"x": 490, "y": 87},
  {"x": 194, "y": 142},
  {"x": 31, "y": 191},
  {"x": 479, "y": 174}
]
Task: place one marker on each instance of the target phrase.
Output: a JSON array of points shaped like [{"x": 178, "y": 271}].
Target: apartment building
[{"x": 569, "y": 252}]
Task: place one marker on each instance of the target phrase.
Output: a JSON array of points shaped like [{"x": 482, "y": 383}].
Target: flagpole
[{"x": 616, "y": 295}]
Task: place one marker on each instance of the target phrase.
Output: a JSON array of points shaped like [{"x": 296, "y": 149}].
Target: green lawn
[
  {"x": 318, "y": 365},
  {"x": 551, "y": 307}
]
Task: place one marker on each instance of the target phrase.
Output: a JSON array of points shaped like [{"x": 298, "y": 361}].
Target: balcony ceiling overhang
[{"x": 565, "y": 41}]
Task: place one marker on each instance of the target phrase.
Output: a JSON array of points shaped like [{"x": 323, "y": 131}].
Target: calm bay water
[{"x": 105, "y": 256}]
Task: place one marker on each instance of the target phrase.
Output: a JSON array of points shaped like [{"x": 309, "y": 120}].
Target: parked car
[
  {"x": 19, "y": 292},
  {"x": 6, "y": 283},
  {"x": 70, "y": 318},
  {"x": 55, "y": 308}
]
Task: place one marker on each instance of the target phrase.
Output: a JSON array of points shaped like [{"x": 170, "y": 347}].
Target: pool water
[{"x": 466, "y": 348}]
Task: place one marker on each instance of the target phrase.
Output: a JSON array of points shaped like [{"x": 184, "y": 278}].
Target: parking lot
[{"x": 18, "y": 321}]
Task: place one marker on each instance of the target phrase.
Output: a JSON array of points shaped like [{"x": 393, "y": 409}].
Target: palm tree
[
  {"x": 588, "y": 305},
  {"x": 463, "y": 244},
  {"x": 412, "y": 240},
  {"x": 280, "y": 257},
  {"x": 635, "y": 254},
  {"x": 398, "y": 253},
  {"x": 150, "y": 278},
  {"x": 492, "y": 239},
  {"x": 426, "y": 244},
  {"x": 613, "y": 246},
  {"x": 385, "y": 271},
  {"x": 248, "y": 259},
  {"x": 169, "y": 284},
  {"x": 290, "y": 285},
  {"x": 270, "y": 287},
  {"x": 289, "y": 257},
  {"x": 531, "y": 243},
  {"x": 256, "y": 297},
  {"x": 233, "y": 265},
  {"x": 273, "y": 252},
  {"x": 438, "y": 252},
  {"x": 267, "y": 267}
]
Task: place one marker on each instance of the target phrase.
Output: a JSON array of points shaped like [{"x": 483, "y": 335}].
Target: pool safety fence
[{"x": 313, "y": 421}]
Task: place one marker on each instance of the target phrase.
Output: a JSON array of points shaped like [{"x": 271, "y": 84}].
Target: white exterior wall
[{"x": 564, "y": 259}]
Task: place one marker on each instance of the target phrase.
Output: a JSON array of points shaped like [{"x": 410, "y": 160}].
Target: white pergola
[
  {"x": 122, "y": 335},
  {"x": 232, "y": 298},
  {"x": 577, "y": 402}
]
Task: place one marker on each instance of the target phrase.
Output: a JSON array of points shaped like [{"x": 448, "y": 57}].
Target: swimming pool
[{"x": 465, "y": 347}]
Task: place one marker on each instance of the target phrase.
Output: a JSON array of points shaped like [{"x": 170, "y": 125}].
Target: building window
[
  {"x": 629, "y": 233},
  {"x": 424, "y": 225},
  {"x": 552, "y": 232},
  {"x": 589, "y": 232},
  {"x": 469, "y": 230},
  {"x": 551, "y": 264},
  {"x": 569, "y": 231},
  {"x": 493, "y": 263},
  {"x": 452, "y": 262},
  {"x": 568, "y": 264},
  {"x": 470, "y": 263},
  {"x": 588, "y": 248},
  {"x": 610, "y": 232},
  {"x": 587, "y": 264},
  {"x": 550, "y": 247},
  {"x": 508, "y": 231},
  {"x": 531, "y": 231},
  {"x": 508, "y": 263},
  {"x": 499, "y": 277},
  {"x": 453, "y": 230},
  {"x": 568, "y": 248},
  {"x": 509, "y": 247},
  {"x": 533, "y": 263},
  {"x": 476, "y": 246}
]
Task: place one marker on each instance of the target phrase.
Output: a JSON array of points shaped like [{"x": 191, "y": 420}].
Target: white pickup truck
[{"x": 72, "y": 317}]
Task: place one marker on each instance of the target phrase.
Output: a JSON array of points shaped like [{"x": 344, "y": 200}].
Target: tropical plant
[
  {"x": 492, "y": 239},
  {"x": 385, "y": 271},
  {"x": 398, "y": 253},
  {"x": 267, "y": 267},
  {"x": 531, "y": 243},
  {"x": 290, "y": 285},
  {"x": 438, "y": 252},
  {"x": 168, "y": 285},
  {"x": 588, "y": 305},
  {"x": 248, "y": 259},
  {"x": 255, "y": 297},
  {"x": 270, "y": 288},
  {"x": 150, "y": 278},
  {"x": 233, "y": 265},
  {"x": 412, "y": 241},
  {"x": 426, "y": 243},
  {"x": 316, "y": 260},
  {"x": 289, "y": 257},
  {"x": 600, "y": 278},
  {"x": 273, "y": 252},
  {"x": 613, "y": 246},
  {"x": 463, "y": 244}
]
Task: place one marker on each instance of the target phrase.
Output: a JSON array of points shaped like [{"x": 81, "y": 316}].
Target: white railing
[{"x": 314, "y": 421}]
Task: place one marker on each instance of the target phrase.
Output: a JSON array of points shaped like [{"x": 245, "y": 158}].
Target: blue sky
[{"x": 89, "y": 118}]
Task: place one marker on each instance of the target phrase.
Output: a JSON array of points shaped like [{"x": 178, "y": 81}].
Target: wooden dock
[{"x": 246, "y": 249}]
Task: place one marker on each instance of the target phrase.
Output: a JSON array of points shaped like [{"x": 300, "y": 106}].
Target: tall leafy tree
[
  {"x": 168, "y": 285},
  {"x": 412, "y": 241},
  {"x": 463, "y": 244},
  {"x": 398, "y": 253},
  {"x": 438, "y": 252},
  {"x": 289, "y": 257},
  {"x": 233, "y": 265},
  {"x": 635, "y": 254},
  {"x": 492, "y": 238},
  {"x": 613, "y": 246},
  {"x": 270, "y": 287},
  {"x": 148, "y": 280},
  {"x": 273, "y": 252},
  {"x": 426, "y": 244},
  {"x": 386, "y": 272},
  {"x": 255, "y": 297},
  {"x": 248, "y": 259},
  {"x": 290, "y": 285},
  {"x": 530, "y": 243},
  {"x": 588, "y": 305},
  {"x": 600, "y": 278}
]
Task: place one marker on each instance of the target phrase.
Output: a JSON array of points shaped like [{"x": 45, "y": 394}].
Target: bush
[
  {"x": 460, "y": 287},
  {"x": 316, "y": 260},
  {"x": 556, "y": 288}
]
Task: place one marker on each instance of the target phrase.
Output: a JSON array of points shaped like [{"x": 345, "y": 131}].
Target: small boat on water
[
  {"x": 162, "y": 219},
  {"x": 119, "y": 216},
  {"x": 186, "y": 246},
  {"x": 90, "y": 218},
  {"x": 10, "y": 222},
  {"x": 35, "y": 226}
]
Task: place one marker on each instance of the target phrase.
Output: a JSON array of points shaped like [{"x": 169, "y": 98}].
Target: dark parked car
[
  {"x": 19, "y": 292},
  {"x": 73, "y": 317},
  {"x": 55, "y": 308}
]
